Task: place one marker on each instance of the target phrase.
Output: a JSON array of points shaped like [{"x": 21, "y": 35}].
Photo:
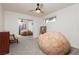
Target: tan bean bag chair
[{"x": 54, "y": 43}]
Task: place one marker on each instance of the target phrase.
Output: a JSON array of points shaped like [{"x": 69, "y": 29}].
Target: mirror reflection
[{"x": 25, "y": 27}]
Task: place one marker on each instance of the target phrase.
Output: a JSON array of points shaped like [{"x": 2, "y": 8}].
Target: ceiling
[{"x": 26, "y": 7}]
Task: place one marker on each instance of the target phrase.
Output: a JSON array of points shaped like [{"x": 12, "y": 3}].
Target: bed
[{"x": 26, "y": 32}]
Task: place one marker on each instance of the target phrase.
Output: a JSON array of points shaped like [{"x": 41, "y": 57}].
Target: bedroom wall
[
  {"x": 1, "y": 18},
  {"x": 11, "y": 22},
  {"x": 67, "y": 22}
]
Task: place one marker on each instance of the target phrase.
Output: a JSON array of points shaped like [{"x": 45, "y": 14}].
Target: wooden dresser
[{"x": 4, "y": 43}]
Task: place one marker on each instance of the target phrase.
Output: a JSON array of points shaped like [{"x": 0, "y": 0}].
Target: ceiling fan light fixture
[{"x": 38, "y": 11}]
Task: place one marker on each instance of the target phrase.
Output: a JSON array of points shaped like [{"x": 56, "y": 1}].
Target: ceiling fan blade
[
  {"x": 31, "y": 10},
  {"x": 42, "y": 11}
]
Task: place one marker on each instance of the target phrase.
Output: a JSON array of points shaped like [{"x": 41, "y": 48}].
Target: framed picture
[{"x": 43, "y": 29}]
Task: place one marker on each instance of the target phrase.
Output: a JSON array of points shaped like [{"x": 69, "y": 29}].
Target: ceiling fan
[{"x": 38, "y": 9}]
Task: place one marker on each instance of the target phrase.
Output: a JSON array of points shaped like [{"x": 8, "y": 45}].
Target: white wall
[
  {"x": 67, "y": 22},
  {"x": 1, "y": 18},
  {"x": 11, "y": 22}
]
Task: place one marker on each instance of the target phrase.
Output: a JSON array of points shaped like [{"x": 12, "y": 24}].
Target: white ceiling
[{"x": 25, "y": 7}]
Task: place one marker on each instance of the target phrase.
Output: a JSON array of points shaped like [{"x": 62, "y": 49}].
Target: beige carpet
[{"x": 28, "y": 46}]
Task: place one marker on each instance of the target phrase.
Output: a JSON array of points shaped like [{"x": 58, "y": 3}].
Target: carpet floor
[{"x": 29, "y": 46}]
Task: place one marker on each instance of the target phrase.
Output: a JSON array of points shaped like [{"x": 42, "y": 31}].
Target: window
[{"x": 50, "y": 20}]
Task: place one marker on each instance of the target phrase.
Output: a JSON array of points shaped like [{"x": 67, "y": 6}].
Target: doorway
[{"x": 26, "y": 27}]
